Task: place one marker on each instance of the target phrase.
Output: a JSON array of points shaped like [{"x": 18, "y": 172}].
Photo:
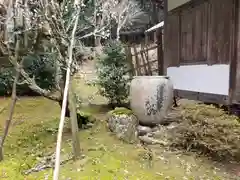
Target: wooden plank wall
[
  {"x": 194, "y": 34},
  {"x": 172, "y": 40},
  {"x": 200, "y": 33},
  {"x": 206, "y": 32},
  {"x": 220, "y": 31}
]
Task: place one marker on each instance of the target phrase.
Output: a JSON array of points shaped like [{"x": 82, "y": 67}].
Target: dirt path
[{"x": 87, "y": 71}]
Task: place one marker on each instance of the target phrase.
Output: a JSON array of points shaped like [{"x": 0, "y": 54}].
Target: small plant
[
  {"x": 112, "y": 73},
  {"x": 6, "y": 80}
]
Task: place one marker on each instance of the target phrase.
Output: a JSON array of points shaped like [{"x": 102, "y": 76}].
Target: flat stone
[{"x": 143, "y": 130}]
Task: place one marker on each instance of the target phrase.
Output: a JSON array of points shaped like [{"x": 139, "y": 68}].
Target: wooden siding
[
  {"x": 172, "y": 41},
  {"x": 220, "y": 31},
  {"x": 194, "y": 34},
  {"x": 206, "y": 31},
  {"x": 200, "y": 33}
]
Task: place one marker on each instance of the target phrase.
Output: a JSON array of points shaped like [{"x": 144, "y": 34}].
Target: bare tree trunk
[
  {"x": 74, "y": 123},
  {"x": 9, "y": 120},
  {"x": 14, "y": 99},
  {"x": 65, "y": 97},
  {"x": 98, "y": 38},
  {"x": 118, "y": 34}
]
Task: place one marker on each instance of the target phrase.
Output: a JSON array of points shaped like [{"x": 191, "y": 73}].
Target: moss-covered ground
[{"x": 33, "y": 135}]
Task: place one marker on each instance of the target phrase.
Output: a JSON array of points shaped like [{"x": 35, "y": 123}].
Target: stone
[
  {"x": 156, "y": 128},
  {"x": 151, "y": 99},
  {"x": 123, "y": 124},
  {"x": 143, "y": 130},
  {"x": 151, "y": 141}
]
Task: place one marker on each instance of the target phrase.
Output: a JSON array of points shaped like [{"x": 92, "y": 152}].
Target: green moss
[
  {"x": 121, "y": 111},
  {"x": 33, "y": 134}
]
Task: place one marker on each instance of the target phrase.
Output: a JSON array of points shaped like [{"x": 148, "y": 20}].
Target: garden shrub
[
  {"x": 42, "y": 69},
  {"x": 206, "y": 130},
  {"x": 113, "y": 78},
  {"x": 6, "y": 79}
]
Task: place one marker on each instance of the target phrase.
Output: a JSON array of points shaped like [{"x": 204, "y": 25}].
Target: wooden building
[{"x": 202, "y": 49}]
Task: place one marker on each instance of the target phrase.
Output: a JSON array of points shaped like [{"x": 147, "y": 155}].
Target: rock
[
  {"x": 152, "y": 141},
  {"x": 87, "y": 126},
  {"x": 143, "y": 130},
  {"x": 123, "y": 123},
  {"x": 151, "y": 98},
  {"x": 156, "y": 128}
]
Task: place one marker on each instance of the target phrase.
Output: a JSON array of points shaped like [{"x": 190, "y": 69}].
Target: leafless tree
[
  {"x": 123, "y": 13},
  {"x": 65, "y": 97},
  {"x": 41, "y": 27}
]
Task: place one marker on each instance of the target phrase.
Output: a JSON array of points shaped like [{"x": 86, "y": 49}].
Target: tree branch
[{"x": 34, "y": 87}]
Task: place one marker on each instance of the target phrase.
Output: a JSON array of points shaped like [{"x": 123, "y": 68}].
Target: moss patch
[
  {"x": 121, "y": 111},
  {"x": 33, "y": 135}
]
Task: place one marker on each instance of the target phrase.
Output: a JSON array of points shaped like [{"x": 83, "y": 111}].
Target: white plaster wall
[
  {"x": 201, "y": 78},
  {"x": 175, "y": 3}
]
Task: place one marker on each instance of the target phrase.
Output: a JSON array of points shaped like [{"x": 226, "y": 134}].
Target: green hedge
[{"x": 40, "y": 67}]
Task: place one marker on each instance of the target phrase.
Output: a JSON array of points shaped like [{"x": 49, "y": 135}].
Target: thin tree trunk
[
  {"x": 14, "y": 99},
  {"x": 118, "y": 34},
  {"x": 98, "y": 38},
  {"x": 65, "y": 97},
  {"x": 11, "y": 112},
  {"x": 74, "y": 123}
]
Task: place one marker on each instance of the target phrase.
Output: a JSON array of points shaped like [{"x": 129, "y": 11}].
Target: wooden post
[
  {"x": 155, "y": 37},
  {"x": 160, "y": 52},
  {"x": 165, "y": 15},
  {"x": 138, "y": 68},
  {"x": 146, "y": 38},
  {"x": 130, "y": 60},
  {"x": 147, "y": 59},
  {"x": 143, "y": 59},
  {"x": 234, "y": 54}
]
